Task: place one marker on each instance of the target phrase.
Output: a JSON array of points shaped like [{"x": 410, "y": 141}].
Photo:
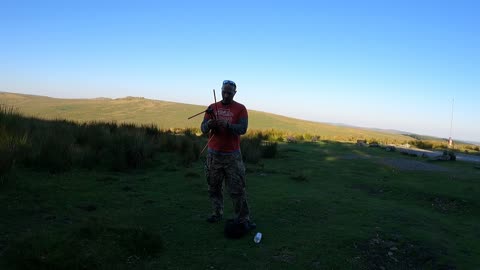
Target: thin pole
[
  {"x": 205, "y": 147},
  {"x": 196, "y": 115},
  {"x": 451, "y": 119},
  {"x": 212, "y": 134}
]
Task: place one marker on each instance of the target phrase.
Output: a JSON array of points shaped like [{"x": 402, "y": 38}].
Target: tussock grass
[{"x": 60, "y": 145}]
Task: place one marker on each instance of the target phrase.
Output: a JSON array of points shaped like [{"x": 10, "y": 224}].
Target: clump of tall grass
[
  {"x": 251, "y": 151},
  {"x": 254, "y": 147},
  {"x": 269, "y": 149},
  {"x": 60, "y": 145},
  {"x": 11, "y": 147},
  {"x": 12, "y": 144}
]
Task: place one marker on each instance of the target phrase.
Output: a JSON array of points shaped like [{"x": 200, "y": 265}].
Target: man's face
[{"x": 228, "y": 92}]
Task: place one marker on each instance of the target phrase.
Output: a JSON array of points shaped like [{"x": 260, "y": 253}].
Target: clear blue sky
[{"x": 385, "y": 64}]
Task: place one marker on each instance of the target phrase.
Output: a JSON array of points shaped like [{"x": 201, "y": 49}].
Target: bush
[
  {"x": 251, "y": 150},
  {"x": 60, "y": 145},
  {"x": 422, "y": 144},
  {"x": 189, "y": 150},
  {"x": 269, "y": 149},
  {"x": 151, "y": 130},
  {"x": 11, "y": 149},
  {"x": 291, "y": 139},
  {"x": 54, "y": 154},
  {"x": 126, "y": 151},
  {"x": 451, "y": 154}
]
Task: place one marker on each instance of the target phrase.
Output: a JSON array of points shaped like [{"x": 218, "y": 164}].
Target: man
[{"x": 226, "y": 123}]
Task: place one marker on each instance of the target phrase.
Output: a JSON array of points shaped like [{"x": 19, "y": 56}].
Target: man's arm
[
  {"x": 208, "y": 122},
  {"x": 204, "y": 126},
  {"x": 240, "y": 128}
]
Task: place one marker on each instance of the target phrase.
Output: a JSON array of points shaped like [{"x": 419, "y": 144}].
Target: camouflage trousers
[{"x": 228, "y": 168}]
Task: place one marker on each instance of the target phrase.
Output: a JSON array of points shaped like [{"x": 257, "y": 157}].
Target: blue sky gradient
[{"x": 384, "y": 64}]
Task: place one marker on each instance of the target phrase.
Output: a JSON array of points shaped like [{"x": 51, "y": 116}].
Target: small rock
[
  {"x": 390, "y": 253},
  {"x": 393, "y": 248}
]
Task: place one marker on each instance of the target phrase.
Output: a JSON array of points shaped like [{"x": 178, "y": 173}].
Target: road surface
[{"x": 432, "y": 154}]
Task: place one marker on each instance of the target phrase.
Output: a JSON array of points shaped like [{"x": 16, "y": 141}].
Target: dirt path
[
  {"x": 432, "y": 154},
  {"x": 412, "y": 165}
]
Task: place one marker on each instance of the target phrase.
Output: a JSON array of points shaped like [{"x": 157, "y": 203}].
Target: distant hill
[
  {"x": 391, "y": 131},
  {"x": 172, "y": 115}
]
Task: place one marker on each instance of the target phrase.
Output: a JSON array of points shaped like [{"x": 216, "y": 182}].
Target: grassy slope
[
  {"x": 169, "y": 115},
  {"x": 347, "y": 214}
]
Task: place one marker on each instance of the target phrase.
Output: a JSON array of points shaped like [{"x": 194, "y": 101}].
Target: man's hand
[
  {"x": 222, "y": 123},
  {"x": 212, "y": 124}
]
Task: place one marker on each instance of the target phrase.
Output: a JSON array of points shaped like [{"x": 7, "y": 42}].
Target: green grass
[
  {"x": 344, "y": 213},
  {"x": 123, "y": 196},
  {"x": 168, "y": 115}
]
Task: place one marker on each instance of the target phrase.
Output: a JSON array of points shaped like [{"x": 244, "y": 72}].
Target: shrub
[
  {"x": 151, "y": 130},
  {"x": 251, "y": 150},
  {"x": 127, "y": 150},
  {"x": 269, "y": 149},
  {"x": 59, "y": 145},
  {"x": 11, "y": 149},
  {"x": 422, "y": 144},
  {"x": 291, "y": 139},
  {"x": 168, "y": 142},
  {"x": 189, "y": 150},
  {"x": 54, "y": 154},
  {"x": 451, "y": 154}
]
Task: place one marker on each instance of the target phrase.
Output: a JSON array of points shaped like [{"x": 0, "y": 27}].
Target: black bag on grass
[{"x": 234, "y": 229}]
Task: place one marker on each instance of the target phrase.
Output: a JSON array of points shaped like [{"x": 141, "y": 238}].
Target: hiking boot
[{"x": 214, "y": 218}]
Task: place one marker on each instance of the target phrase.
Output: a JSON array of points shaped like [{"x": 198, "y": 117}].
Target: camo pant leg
[
  {"x": 235, "y": 184},
  {"x": 215, "y": 176}
]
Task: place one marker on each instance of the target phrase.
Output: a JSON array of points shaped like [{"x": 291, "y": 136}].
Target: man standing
[{"x": 228, "y": 121}]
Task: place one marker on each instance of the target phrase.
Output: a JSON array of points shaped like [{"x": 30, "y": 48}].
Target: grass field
[
  {"x": 319, "y": 205},
  {"x": 111, "y": 196}
]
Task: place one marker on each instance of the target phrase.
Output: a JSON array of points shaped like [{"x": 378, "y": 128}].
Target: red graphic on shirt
[{"x": 224, "y": 140}]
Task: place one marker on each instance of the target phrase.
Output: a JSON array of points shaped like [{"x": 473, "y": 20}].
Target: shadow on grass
[{"x": 92, "y": 245}]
